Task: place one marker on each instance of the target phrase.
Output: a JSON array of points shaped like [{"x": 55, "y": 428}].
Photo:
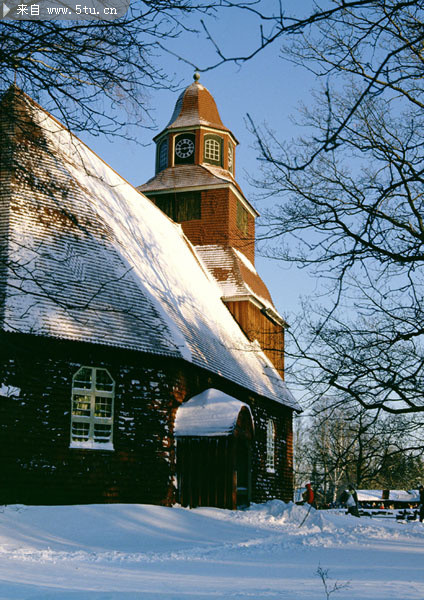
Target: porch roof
[{"x": 210, "y": 413}]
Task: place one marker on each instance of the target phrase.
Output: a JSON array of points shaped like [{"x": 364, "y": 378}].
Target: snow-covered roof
[
  {"x": 92, "y": 259},
  {"x": 237, "y": 277},
  {"x": 369, "y": 495},
  {"x": 211, "y": 413},
  {"x": 394, "y": 495},
  {"x": 192, "y": 177}
]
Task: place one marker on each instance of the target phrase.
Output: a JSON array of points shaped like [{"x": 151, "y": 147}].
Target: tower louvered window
[
  {"x": 242, "y": 219},
  {"x": 93, "y": 392},
  {"x": 180, "y": 206},
  {"x": 163, "y": 155}
]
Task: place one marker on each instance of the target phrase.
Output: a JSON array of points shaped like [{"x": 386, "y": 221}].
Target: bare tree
[
  {"x": 347, "y": 197},
  {"x": 350, "y": 444},
  {"x": 96, "y": 75},
  {"x": 347, "y": 201}
]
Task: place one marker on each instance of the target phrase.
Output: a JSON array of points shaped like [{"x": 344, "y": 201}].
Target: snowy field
[{"x": 126, "y": 552}]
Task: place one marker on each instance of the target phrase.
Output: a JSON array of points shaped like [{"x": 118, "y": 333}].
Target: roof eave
[{"x": 267, "y": 310}]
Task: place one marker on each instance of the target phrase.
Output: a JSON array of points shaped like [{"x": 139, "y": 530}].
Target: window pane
[
  {"x": 104, "y": 381},
  {"x": 270, "y": 444},
  {"x": 80, "y": 431},
  {"x": 212, "y": 150},
  {"x": 81, "y": 405},
  {"x": 92, "y": 410},
  {"x": 230, "y": 158},
  {"x": 103, "y": 407},
  {"x": 102, "y": 433},
  {"x": 83, "y": 379}
]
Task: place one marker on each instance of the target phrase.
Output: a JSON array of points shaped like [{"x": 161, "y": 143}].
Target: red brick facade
[{"x": 218, "y": 224}]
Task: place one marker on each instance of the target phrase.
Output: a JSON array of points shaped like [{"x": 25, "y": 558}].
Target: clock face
[{"x": 184, "y": 148}]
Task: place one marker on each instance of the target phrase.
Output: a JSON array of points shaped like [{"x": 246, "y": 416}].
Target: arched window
[
  {"x": 93, "y": 392},
  {"x": 163, "y": 155},
  {"x": 213, "y": 150},
  {"x": 270, "y": 445}
]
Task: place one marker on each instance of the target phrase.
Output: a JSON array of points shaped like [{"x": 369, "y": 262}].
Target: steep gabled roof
[{"x": 89, "y": 258}]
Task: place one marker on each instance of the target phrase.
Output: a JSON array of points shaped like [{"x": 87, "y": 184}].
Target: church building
[{"x": 141, "y": 355}]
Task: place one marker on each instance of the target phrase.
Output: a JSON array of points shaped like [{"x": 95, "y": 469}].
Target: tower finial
[{"x": 196, "y": 76}]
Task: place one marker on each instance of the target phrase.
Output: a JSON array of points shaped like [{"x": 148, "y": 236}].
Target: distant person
[
  {"x": 349, "y": 499},
  {"x": 421, "y": 492},
  {"x": 309, "y": 496}
]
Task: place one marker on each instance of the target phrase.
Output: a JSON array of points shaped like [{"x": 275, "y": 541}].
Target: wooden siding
[
  {"x": 278, "y": 483},
  {"x": 206, "y": 472},
  {"x": 258, "y": 326},
  {"x": 38, "y": 467}
]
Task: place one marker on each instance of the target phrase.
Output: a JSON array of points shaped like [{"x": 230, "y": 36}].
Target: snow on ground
[{"x": 126, "y": 552}]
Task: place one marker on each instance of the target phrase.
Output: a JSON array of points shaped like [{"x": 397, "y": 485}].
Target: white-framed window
[
  {"x": 93, "y": 393},
  {"x": 270, "y": 445},
  {"x": 213, "y": 149}
]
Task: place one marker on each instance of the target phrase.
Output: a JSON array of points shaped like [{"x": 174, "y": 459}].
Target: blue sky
[{"x": 267, "y": 87}]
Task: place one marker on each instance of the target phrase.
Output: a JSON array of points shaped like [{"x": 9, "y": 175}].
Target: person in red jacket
[{"x": 308, "y": 495}]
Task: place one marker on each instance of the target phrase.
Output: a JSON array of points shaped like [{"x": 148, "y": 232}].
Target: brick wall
[
  {"x": 218, "y": 224},
  {"x": 213, "y": 226},
  {"x": 37, "y": 464}
]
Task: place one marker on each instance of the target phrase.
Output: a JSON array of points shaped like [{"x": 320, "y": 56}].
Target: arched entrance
[{"x": 214, "y": 433}]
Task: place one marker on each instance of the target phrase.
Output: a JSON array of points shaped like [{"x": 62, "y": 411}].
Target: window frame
[
  {"x": 270, "y": 445},
  {"x": 95, "y": 399},
  {"x": 212, "y": 139}
]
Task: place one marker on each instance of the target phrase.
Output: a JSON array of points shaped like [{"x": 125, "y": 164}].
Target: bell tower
[{"x": 195, "y": 185}]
